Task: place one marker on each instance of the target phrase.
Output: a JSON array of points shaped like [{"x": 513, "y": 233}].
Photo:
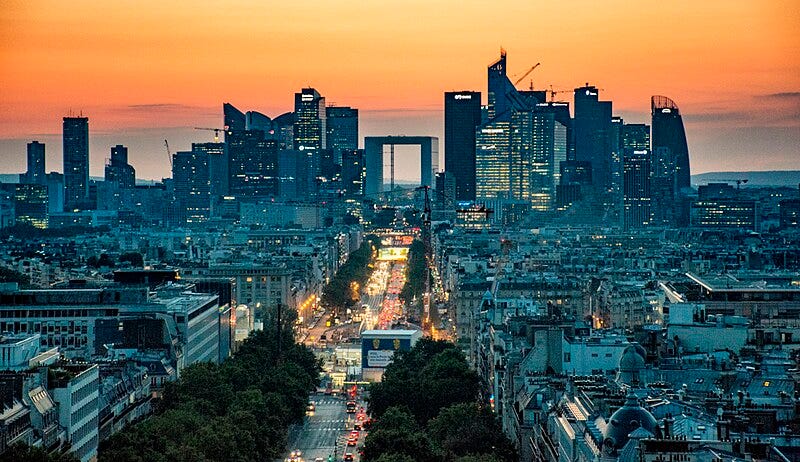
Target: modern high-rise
[
  {"x": 252, "y": 164},
  {"x": 342, "y": 130},
  {"x": 234, "y": 119},
  {"x": 76, "y": 162},
  {"x": 310, "y": 125},
  {"x": 36, "y": 164},
  {"x": 503, "y": 97},
  {"x": 462, "y": 116},
  {"x": 592, "y": 131},
  {"x": 668, "y": 133},
  {"x": 118, "y": 171},
  {"x": 445, "y": 191},
  {"x": 353, "y": 172},
  {"x": 636, "y": 188},
  {"x": 217, "y": 167},
  {"x": 192, "y": 186},
  {"x": 493, "y": 160},
  {"x": 538, "y": 147}
]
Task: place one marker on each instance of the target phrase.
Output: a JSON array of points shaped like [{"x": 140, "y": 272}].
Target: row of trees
[
  {"x": 135, "y": 259},
  {"x": 415, "y": 273},
  {"x": 339, "y": 293},
  {"x": 28, "y": 231},
  {"x": 427, "y": 409},
  {"x": 237, "y": 411}
]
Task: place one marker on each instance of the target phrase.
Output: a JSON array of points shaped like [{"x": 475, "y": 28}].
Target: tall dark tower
[
  {"x": 342, "y": 126},
  {"x": 36, "y": 166},
  {"x": 592, "y": 131},
  {"x": 668, "y": 132},
  {"x": 462, "y": 115},
  {"x": 235, "y": 120},
  {"x": 118, "y": 171},
  {"x": 76, "y": 162}
]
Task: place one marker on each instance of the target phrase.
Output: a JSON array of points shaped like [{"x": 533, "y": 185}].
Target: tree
[
  {"x": 19, "y": 452},
  {"x": 430, "y": 376},
  {"x": 237, "y": 411},
  {"x": 398, "y": 434},
  {"x": 468, "y": 428},
  {"x": 10, "y": 275}
]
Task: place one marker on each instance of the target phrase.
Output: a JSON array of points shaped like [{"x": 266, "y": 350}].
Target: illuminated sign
[
  {"x": 379, "y": 358},
  {"x": 492, "y": 130},
  {"x": 463, "y": 97},
  {"x": 307, "y": 98},
  {"x": 666, "y": 110}
]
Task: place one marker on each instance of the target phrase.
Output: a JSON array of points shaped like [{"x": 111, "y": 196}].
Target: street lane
[{"x": 321, "y": 430}]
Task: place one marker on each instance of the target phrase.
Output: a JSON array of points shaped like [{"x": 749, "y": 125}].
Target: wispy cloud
[
  {"x": 161, "y": 107},
  {"x": 791, "y": 95}
]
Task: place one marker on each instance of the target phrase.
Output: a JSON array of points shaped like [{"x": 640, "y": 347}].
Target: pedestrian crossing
[{"x": 328, "y": 401}]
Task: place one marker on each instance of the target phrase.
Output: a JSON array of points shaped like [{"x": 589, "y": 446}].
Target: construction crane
[
  {"x": 215, "y": 130},
  {"x": 169, "y": 154},
  {"x": 554, "y": 92},
  {"x": 526, "y": 74}
]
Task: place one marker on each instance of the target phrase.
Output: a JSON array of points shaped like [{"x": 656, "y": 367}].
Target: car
[
  {"x": 319, "y": 459},
  {"x": 348, "y": 457},
  {"x": 354, "y": 434},
  {"x": 311, "y": 407},
  {"x": 357, "y": 426},
  {"x": 352, "y": 442}
]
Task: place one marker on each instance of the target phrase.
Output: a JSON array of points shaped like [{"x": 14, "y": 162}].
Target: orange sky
[{"x": 137, "y": 67}]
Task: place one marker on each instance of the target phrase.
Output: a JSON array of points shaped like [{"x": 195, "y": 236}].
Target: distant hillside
[{"x": 789, "y": 178}]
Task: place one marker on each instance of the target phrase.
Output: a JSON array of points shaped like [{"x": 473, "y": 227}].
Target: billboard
[{"x": 378, "y": 347}]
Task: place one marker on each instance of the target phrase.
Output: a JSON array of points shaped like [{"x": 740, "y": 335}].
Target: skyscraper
[
  {"x": 493, "y": 160},
  {"x": 192, "y": 186},
  {"x": 76, "y": 163},
  {"x": 636, "y": 188},
  {"x": 217, "y": 167},
  {"x": 252, "y": 164},
  {"x": 342, "y": 126},
  {"x": 538, "y": 147},
  {"x": 462, "y": 116},
  {"x": 310, "y": 125},
  {"x": 118, "y": 171},
  {"x": 668, "y": 132},
  {"x": 36, "y": 164},
  {"x": 503, "y": 96},
  {"x": 234, "y": 119},
  {"x": 353, "y": 172},
  {"x": 592, "y": 132}
]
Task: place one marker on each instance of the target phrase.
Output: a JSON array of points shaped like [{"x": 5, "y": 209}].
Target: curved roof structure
[{"x": 628, "y": 419}]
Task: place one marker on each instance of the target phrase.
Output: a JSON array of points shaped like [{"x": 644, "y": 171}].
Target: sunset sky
[{"x": 143, "y": 71}]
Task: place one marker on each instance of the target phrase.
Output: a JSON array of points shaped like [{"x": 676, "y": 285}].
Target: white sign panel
[{"x": 379, "y": 358}]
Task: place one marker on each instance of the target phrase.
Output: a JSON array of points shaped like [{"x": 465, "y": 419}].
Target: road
[{"x": 322, "y": 429}]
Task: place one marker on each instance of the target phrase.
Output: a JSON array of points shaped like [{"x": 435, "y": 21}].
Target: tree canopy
[
  {"x": 428, "y": 408},
  {"x": 236, "y": 411}
]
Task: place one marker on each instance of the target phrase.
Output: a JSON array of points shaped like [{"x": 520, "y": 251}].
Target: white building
[{"x": 76, "y": 389}]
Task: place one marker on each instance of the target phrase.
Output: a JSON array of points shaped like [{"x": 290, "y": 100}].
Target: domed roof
[
  {"x": 632, "y": 359},
  {"x": 626, "y": 420}
]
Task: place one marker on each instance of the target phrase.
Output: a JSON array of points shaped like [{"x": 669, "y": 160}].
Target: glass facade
[
  {"x": 192, "y": 186},
  {"x": 636, "y": 189},
  {"x": 492, "y": 160},
  {"x": 342, "y": 127},
  {"x": 668, "y": 133}
]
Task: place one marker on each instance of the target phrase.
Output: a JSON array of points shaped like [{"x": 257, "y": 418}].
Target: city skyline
[{"x": 737, "y": 91}]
